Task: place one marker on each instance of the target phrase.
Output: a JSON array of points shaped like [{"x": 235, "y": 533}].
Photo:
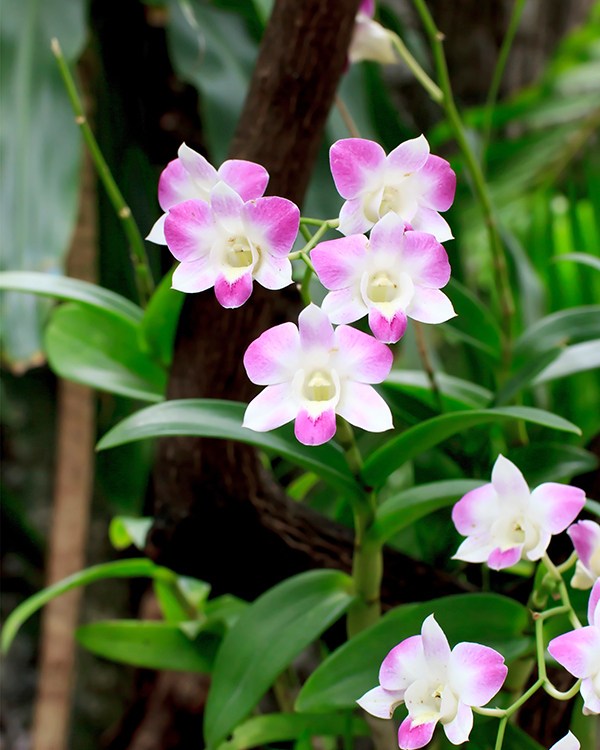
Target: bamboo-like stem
[
  {"x": 434, "y": 91},
  {"x": 141, "y": 267},
  {"x": 346, "y": 117},
  {"x": 424, "y": 354}
]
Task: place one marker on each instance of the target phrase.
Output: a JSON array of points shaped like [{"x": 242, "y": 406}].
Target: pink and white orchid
[
  {"x": 436, "y": 684},
  {"x": 585, "y": 536},
  {"x": 391, "y": 276},
  {"x": 568, "y": 742},
  {"x": 505, "y": 522},
  {"x": 191, "y": 177},
  {"x": 410, "y": 182},
  {"x": 230, "y": 242},
  {"x": 370, "y": 40},
  {"x": 313, "y": 372},
  {"x": 579, "y": 652}
]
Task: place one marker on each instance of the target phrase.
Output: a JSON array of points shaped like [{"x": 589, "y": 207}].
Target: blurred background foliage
[{"x": 155, "y": 74}]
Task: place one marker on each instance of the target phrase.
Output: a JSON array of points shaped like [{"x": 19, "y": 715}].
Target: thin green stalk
[
  {"x": 501, "y": 730},
  {"x": 346, "y": 117},
  {"x": 305, "y": 285},
  {"x": 502, "y": 281},
  {"x": 143, "y": 276},
  {"x": 304, "y": 231},
  {"x": 434, "y": 91},
  {"x": 424, "y": 355},
  {"x": 568, "y": 564},
  {"x": 554, "y": 573},
  {"x": 488, "y": 113},
  {"x": 333, "y": 223}
]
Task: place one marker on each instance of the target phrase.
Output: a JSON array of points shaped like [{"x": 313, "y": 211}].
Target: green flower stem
[
  {"x": 502, "y": 281},
  {"x": 143, "y": 276},
  {"x": 541, "y": 653},
  {"x": 333, "y": 223},
  {"x": 434, "y": 91},
  {"x": 568, "y": 564},
  {"x": 305, "y": 284},
  {"x": 304, "y": 230},
  {"x": 554, "y": 574},
  {"x": 424, "y": 355},
  {"x": 513, "y": 25},
  {"x": 501, "y": 730}
]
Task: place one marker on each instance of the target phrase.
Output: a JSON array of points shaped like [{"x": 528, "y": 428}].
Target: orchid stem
[
  {"x": 424, "y": 354},
  {"x": 346, "y": 117},
  {"x": 501, "y": 730},
  {"x": 434, "y": 91},
  {"x": 141, "y": 267}
]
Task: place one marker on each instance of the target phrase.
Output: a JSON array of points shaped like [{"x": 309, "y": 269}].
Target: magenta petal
[
  {"x": 232, "y": 294},
  {"x": 353, "y": 219},
  {"x": 194, "y": 275},
  {"x": 248, "y": 179},
  {"x": 340, "y": 263},
  {"x": 387, "y": 239},
  {"x": 476, "y": 673},
  {"x": 499, "y": 559},
  {"x": 274, "y": 356},
  {"x": 272, "y": 272},
  {"x": 459, "y": 729},
  {"x": 404, "y": 664},
  {"x": 227, "y": 207},
  {"x": 430, "y": 306},
  {"x": 315, "y": 329},
  {"x": 428, "y": 220},
  {"x": 203, "y": 173},
  {"x": 578, "y": 651},
  {"x": 406, "y": 158},
  {"x": 438, "y": 183},
  {"x": 361, "y": 357},
  {"x": 425, "y": 260},
  {"x": 175, "y": 185},
  {"x": 476, "y": 511},
  {"x": 315, "y": 430},
  {"x": 593, "y": 606},
  {"x": 367, "y": 7},
  {"x": 585, "y": 536},
  {"x": 556, "y": 505},
  {"x": 387, "y": 330},
  {"x": 363, "y": 407},
  {"x": 272, "y": 408},
  {"x": 272, "y": 224},
  {"x": 190, "y": 230},
  {"x": 356, "y": 165},
  {"x": 411, "y": 738}
]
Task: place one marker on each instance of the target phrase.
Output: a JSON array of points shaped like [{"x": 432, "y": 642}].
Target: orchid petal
[
  {"x": 315, "y": 430},
  {"x": 387, "y": 330},
  {"x": 387, "y": 241},
  {"x": 508, "y": 480},
  {"x": 430, "y": 306},
  {"x": 476, "y": 548},
  {"x": 591, "y": 700},
  {"x": 316, "y": 331},
  {"x": 194, "y": 275},
  {"x": 538, "y": 551},
  {"x": 248, "y": 179},
  {"x": 500, "y": 559},
  {"x": 341, "y": 263},
  {"x": 437, "y": 182},
  {"x": 404, "y": 664},
  {"x": 435, "y": 644},
  {"x": 199, "y": 169},
  {"x": 176, "y": 186},
  {"x": 361, "y": 357},
  {"x": 233, "y": 293},
  {"x": 353, "y": 219},
  {"x": 357, "y": 166},
  {"x": 272, "y": 408},
  {"x": 380, "y": 702},
  {"x": 363, "y": 407},
  {"x": 427, "y": 220},
  {"x": 594, "y": 606},
  {"x": 555, "y": 505},
  {"x": 412, "y": 737},
  {"x": 568, "y": 742},
  {"x": 272, "y": 224},
  {"x": 578, "y": 651},
  {"x": 476, "y": 511},
  {"x": 344, "y": 305},
  {"x": 273, "y": 273},
  {"x": 425, "y": 260},
  {"x": 227, "y": 207},
  {"x": 476, "y": 673},
  {"x": 405, "y": 159},
  {"x": 459, "y": 729},
  {"x": 585, "y": 536},
  {"x": 190, "y": 230},
  {"x": 157, "y": 233},
  {"x": 274, "y": 357}
]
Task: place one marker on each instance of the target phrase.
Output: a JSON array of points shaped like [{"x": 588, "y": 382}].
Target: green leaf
[
  {"x": 159, "y": 324},
  {"x": 142, "y": 568},
  {"x": 223, "y": 419},
  {"x": 551, "y": 462},
  {"x": 408, "y": 506},
  {"x": 569, "y": 326},
  {"x": 457, "y": 394},
  {"x": 226, "y": 608},
  {"x": 41, "y": 156},
  {"x": 269, "y": 634},
  {"x": 524, "y": 377},
  {"x": 126, "y": 530},
  {"x": 263, "y": 8},
  {"x": 92, "y": 347},
  {"x": 583, "y": 258},
  {"x": 182, "y": 598},
  {"x": 260, "y": 730},
  {"x": 474, "y": 323},
  {"x": 50, "y": 285},
  {"x": 300, "y": 487},
  {"x": 382, "y": 462},
  {"x": 593, "y": 506},
  {"x": 149, "y": 644},
  {"x": 352, "y": 669},
  {"x": 576, "y": 358}
]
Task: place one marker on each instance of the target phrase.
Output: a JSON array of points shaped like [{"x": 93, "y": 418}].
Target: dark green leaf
[
  {"x": 226, "y": 609},
  {"x": 223, "y": 419},
  {"x": 50, "y": 285},
  {"x": 382, "y": 462},
  {"x": 149, "y": 644},
  {"x": 260, "y": 730},
  {"x": 121, "y": 569},
  {"x": 569, "y": 326},
  {"x": 524, "y": 377},
  {"x": 576, "y": 358},
  {"x": 408, "y": 506},
  {"x": 593, "y": 506},
  {"x": 92, "y": 347},
  {"x": 551, "y": 462},
  {"x": 352, "y": 669},
  {"x": 269, "y": 634},
  {"x": 457, "y": 394},
  {"x": 159, "y": 324},
  {"x": 474, "y": 323}
]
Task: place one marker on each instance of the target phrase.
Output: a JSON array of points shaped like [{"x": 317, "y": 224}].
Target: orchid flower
[
  {"x": 313, "y": 372},
  {"x": 230, "y": 242},
  {"x": 585, "y": 536},
  {"x": 568, "y": 742},
  {"x": 392, "y": 276},
  {"x": 370, "y": 41},
  {"x": 579, "y": 653},
  {"x": 505, "y": 522},
  {"x": 436, "y": 684},
  {"x": 191, "y": 177},
  {"x": 410, "y": 182}
]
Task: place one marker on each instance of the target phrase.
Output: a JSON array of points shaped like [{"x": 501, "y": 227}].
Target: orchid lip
[
  {"x": 240, "y": 255},
  {"x": 387, "y": 290}
]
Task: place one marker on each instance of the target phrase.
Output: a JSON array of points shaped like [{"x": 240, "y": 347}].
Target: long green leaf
[
  {"x": 268, "y": 635},
  {"x": 543, "y": 461},
  {"x": 474, "y": 323},
  {"x": 159, "y": 324},
  {"x": 576, "y": 358},
  {"x": 586, "y": 259},
  {"x": 152, "y": 645},
  {"x": 352, "y": 669},
  {"x": 120, "y": 569},
  {"x": 569, "y": 326},
  {"x": 223, "y": 419},
  {"x": 457, "y": 394},
  {"x": 408, "y": 506},
  {"x": 380, "y": 464},
  {"x": 90, "y": 346},
  {"x": 260, "y": 730},
  {"x": 50, "y": 285},
  {"x": 525, "y": 376}
]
